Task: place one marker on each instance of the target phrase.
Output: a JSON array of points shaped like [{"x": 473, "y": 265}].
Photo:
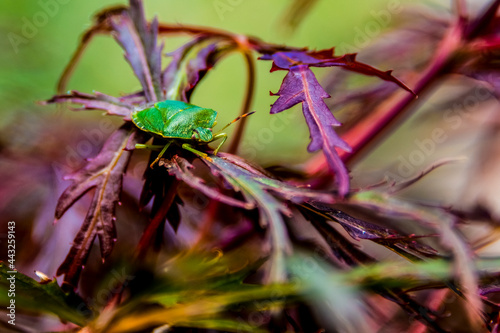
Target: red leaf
[
  {"x": 300, "y": 86},
  {"x": 98, "y": 101},
  {"x": 139, "y": 42},
  {"x": 327, "y": 58},
  {"x": 105, "y": 174},
  {"x": 180, "y": 168}
]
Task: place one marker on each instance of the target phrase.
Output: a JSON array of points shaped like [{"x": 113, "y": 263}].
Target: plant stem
[
  {"x": 153, "y": 227},
  {"x": 238, "y": 133}
]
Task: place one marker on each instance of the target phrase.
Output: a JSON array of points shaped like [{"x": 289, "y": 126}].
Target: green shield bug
[{"x": 181, "y": 122}]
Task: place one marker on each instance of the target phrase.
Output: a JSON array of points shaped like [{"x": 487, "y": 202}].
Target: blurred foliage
[{"x": 219, "y": 242}]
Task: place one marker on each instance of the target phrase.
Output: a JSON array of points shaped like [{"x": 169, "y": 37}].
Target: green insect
[{"x": 183, "y": 123}]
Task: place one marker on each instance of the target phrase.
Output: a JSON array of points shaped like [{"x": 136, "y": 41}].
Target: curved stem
[
  {"x": 238, "y": 133},
  {"x": 101, "y": 27}
]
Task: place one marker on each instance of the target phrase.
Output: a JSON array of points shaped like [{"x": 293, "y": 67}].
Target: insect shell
[{"x": 177, "y": 120}]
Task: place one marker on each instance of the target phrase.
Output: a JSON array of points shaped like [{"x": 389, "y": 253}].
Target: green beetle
[{"x": 180, "y": 121}]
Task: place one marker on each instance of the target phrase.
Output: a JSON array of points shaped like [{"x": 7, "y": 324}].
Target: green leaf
[
  {"x": 42, "y": 297},
  {"x": 221, "y": 324}
]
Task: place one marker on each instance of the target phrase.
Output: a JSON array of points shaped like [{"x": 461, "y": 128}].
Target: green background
[{"x": 29, "y": 70}]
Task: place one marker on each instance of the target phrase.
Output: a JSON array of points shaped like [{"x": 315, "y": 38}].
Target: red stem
[
  {"x": 238, "y": 133},
  {"x": 151, "y": 230}
]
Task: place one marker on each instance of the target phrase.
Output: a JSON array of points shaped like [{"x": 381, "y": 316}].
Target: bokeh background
[
  {"x": 30, "y": 67},
  {"x": 40, "y": 144}
]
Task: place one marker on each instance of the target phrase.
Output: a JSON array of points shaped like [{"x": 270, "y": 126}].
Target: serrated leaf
[
  {"x": 327, "y": 58},
  {"x": 189, "y": 64},
  {"x": 105, "y": 174},
  {"x": 444, "y": 223},
  {"x": 148, "y": 32},
  {"x": 180, "y": 168},
  {"x": 141, "y": 52},
  {"x": 98, "y": 101},
  {"x": 45, "y": 297},
  {"x": 257, "y": 188},
  {"x": 405, "y": 245},
  {"x": 300, "y": 86}
]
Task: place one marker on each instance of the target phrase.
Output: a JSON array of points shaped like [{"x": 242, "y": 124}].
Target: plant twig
[{"x": 238, "y": 133}]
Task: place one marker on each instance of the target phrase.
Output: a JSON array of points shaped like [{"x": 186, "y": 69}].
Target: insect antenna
[{"x": 235, "y": 120}]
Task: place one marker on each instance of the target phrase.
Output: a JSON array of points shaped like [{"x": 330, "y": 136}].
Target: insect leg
[
  {"x": 152, "y": 147},
  {"x": 190, "y": 148},
  {"x": 161, "y": 154},
  {"x": 218, "y": 136}
]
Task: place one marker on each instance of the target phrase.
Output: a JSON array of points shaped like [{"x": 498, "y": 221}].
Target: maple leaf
[
  {"x": 405, "y": 245},
  {"x": 105, "y": 174},
  {"x": 327, "y": 58},
  {"x": 269, "y": 196},
  {"x": 98, "y": 101},
  {"x": 181, "y": 169},
  {"x": 301, "y": 86},
  {"x": 139, "y": 40},
  {"x": 190, "y": 63}
]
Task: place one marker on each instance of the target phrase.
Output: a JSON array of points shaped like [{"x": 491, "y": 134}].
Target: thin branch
[
  {"x": 147, "y": 238},
  {"x": 85, "y": 41},
  {"x": 238, "y": 133}
]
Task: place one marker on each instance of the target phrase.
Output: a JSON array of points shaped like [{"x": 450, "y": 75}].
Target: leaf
[
  {"x": 41, "y": 297},
  {"x": 256, "y": 188},
  {"x": 189, "y": 64},
  {"x": 148, "y": 32},
  {"x": 105, "y": 174},
  {"x": 180, "y": 168},
  {"x": 444, "y": 223},
  {"x": 336, "y": 299},
  {"x": 141, "y": 51},
  {"x": 300, "y": 86},
  {"x": 98, "y": 101},
  {"x": 327, "y": 58}
]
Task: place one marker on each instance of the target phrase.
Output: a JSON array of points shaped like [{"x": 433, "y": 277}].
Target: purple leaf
[
  {"x": 270, "y": 196},
  {"x": 406, "y": 245},
  {"x": 180, "y": 168},
  {"x": 189, "y": 65},
  {"x": 300, "y": 86},
  {"x": 105, "y": 174},
  {"x": 327, "y": 58},
  {"x": 98, "y": 101},
  {"x": 149, "y": 37},
  {"x": 140, "y": 51}
]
